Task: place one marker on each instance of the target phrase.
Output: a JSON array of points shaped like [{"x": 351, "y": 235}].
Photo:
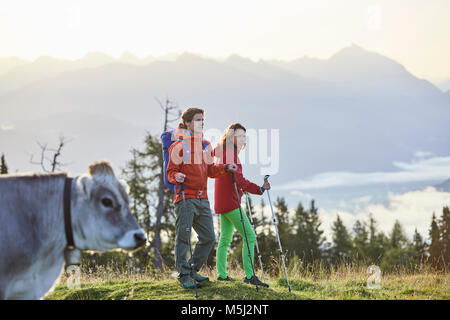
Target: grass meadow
[{"x": 344, "y": 282}]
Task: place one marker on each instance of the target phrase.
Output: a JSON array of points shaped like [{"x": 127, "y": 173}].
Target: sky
[{"x": 415, "y": 33}]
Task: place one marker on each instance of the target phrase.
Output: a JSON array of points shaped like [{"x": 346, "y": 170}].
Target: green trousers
[
  {"x": 228, "y": 222},
  {"x": 197, "y": 216}
]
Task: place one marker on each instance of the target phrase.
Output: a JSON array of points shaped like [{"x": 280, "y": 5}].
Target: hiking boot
[
  {"x": 255, "y": 281},
  {"x": 188, "y": 283},
  {"x": 199, "y": 278},
  {"x": 224, "y": 279}
]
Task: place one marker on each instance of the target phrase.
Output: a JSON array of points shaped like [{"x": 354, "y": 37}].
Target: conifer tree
[
  {"x": 435, "y": 247},
  {"x": 360, "y": 240},
  {"x": 3, "y": 166},
  {"x": 342, "y": 242},
  {"x": 419, "y": 247}
]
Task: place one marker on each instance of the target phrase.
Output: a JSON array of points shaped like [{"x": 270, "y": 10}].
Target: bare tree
[
  {"x": 52, "y": 160},
  {"x": 168, "y": 107}
]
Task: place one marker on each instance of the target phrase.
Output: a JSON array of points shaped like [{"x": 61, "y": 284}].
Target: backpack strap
[
  {"x": 205, "y": 145},
  {"x": 186, "y": 150},
  {"x": 187, "y": 191}
]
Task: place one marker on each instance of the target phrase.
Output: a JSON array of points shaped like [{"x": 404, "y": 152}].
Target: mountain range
[
  {"x": 357, "y": 111},
  {"x": 444, "y": 186}
]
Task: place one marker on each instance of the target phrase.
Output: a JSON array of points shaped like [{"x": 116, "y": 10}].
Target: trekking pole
[
  {"x": 188, "y": 231},
  {"x": 243, "y": 226},
  {"x": 253, "y": 225},
  {"x": 275, "y": 223}
]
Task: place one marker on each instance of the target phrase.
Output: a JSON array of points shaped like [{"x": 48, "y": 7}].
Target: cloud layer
[
  {"x": 413, "y": 209},
  {"x": 421, "y": 168}
]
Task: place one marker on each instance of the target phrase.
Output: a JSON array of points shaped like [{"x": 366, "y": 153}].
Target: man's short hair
[{"x": 189, "y": 114}]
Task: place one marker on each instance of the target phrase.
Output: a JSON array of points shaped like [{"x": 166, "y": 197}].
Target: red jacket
[
  {"x": 224, "y": 192},
  {"x": 198, "y": 166}
]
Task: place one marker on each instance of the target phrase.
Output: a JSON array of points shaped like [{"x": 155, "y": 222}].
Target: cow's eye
[{"x": 107, "y": 202}]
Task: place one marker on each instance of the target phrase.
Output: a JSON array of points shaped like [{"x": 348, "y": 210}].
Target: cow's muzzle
[
  {"x": 140, "y": 239},
  {"x": 132, "y": 239}
]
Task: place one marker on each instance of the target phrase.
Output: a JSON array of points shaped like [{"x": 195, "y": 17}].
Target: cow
[{"x": 33, "y": 233}]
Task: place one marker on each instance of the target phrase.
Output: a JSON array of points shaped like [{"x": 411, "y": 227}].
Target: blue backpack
[{"x": 168, "y": 139}]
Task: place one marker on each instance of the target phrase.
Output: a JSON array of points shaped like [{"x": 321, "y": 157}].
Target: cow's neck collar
[{"x": 71, "y": 254}]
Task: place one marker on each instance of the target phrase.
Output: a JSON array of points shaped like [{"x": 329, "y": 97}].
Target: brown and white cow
[{"x": 32, "y": 229}]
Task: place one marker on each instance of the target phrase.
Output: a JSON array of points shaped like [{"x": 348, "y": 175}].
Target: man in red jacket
[{"x": 191, "y": 164}]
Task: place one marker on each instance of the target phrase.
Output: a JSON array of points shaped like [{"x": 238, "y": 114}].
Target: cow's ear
[
  {"x": 85, "y": 183},
  {"x": 125, "y": 185}
]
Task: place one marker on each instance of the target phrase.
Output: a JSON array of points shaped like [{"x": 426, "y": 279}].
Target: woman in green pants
[{"x": 227, "y": 205}]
